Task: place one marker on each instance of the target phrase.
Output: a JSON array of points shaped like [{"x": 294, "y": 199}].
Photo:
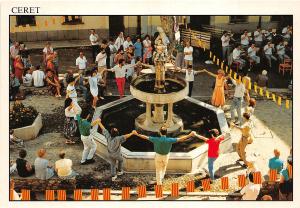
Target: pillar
[
  {"x": 148, "y": 120},
  {"x": 158, "y": 116},
  {"x": 169, "y": 121}
]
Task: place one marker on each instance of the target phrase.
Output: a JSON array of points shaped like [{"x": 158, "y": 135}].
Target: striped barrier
[
  {"x": 174, "y": 190},
  {"x": 125, "y": 193},
  {"x": 61, "y": 195},
  {"x": 224, "y": 183},
  {"x": 205, "y": 184},
  {"x": 95, "y": 194},
  {"x": 11, "y": 194},
  {"x": 241, "y": 181},
  {"x": 106, "y": 194},
  {"x": 190, "y": 186},
  {"x": 77, "y": 194},
  {"x": 257, "y": 179},
  {"x": 158, "y": 191},
  {"x": 290, "y": 170},
  {"x": 272, "y": 175},
  {"x": 25, "y": 194},
  {"x": 142, "y": 192},
  {"x": 49, "y": 195}
]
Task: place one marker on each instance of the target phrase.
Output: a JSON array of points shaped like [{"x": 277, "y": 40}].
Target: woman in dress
[
  {"x": 53, "y": 83},
  {"x": 19, "y": 68},
  {"x": 93, "y": 82},
  {"x": 218, "y": 97},
  {"x": 71, "y": 126},
  {"x": 147, "y": 50}
]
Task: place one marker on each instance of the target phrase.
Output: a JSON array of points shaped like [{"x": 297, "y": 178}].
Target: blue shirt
[
  {"x": 276, "y": 163},
  {"x": 163, "y": 144},
  {"x": 138, "y": 49},
  {"x": 285, "y": 174}
]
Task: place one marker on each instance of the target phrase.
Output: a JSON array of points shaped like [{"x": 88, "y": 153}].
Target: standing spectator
[
  {"x": 162, "y": 148},
  {"x": 245, "y": 39},
  {"x": 190, "y": 77},
  {"x": 129, "y": 68},
  {"x": 213, "y": 149},
  {"x": 47, "y": 51},
  {"x": 82, "y": 85},
  {"x": 127, "y": 43},
  {"x": 19, "y": 68},
  {"x": 27, "y": 78},
  {"x": 262, "y": 79},
  {"x": 24, "y": 168},
  {"x": 236, "y": 55},
  {"x": 258, "y": 37},
  {"x": 113, "y": 51},
  {"x": 89, "y": 145},
  {"x": 106, "y": 48},
  {"x": 14, "y": 50},
  {"x": 120, "y": 73},
  {"x": 138, "y": 48},
  {"x": 225, "y": 45},
  {"x": 42, "y": 169},
  {"x": 102, "y": 64},
  {"x": 218, "y": 97},
  {"x": 188, "y": 54},
  {"x": 119, "y": 41},
  {"x": 14, "y": 85},
  {"x": 71, "y": 125},
  {"x": 281, "y": 52},
  {"x": 63, "y": 167},
  {"x": 252, "y": 53},
  {"x": 179, "y": 61},
  {"x": 237, "y": 101},
  {"x": 114, "y": 142},
  {"x": 94, "y": 38},
  {"x": 246, "y": 138},
  {"x": 55, "y": 61},
  {"x": 38, "y": 76},
  {"x": 286, "y": 183},
  {"x": 251, "y": 190},
  {"x": 81, "y": 62},
  {"x": 53, "y": 83},
  {"x": 119, "y": 56},
  {"x": 276, "y": 163},
  {"x": 268, "y": 49},
  {"x": 24, "y": 53},
  {"x": 147, "y": 50}
]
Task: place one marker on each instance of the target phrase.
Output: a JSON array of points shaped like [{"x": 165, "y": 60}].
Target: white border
[{"x": 150, "y": 7}]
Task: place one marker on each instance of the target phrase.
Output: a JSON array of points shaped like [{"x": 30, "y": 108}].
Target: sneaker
[
  {"x": 90, "y": 161},
  {"x": 84, "y": 163},
  {"x": 120, "y": 173},
  {"x": 114, "y": 178}
]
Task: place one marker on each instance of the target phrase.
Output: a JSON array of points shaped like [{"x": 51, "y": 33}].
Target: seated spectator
[
  {"x": 24, "y": 168},
  {"x": 236, "y": 55},
  {"x": 286, "y": 183},
  {"x": 258, "y": 37},
  {"x": 262, "y": 79},
  {"x": 15, "y": 140},
  {"x": 251, "y": 190},
  {"x": 275, "y": 162},
  {"x": 42, "y": 169},
  {"x": 63, "y": 167},
  {"x": 281, "y": 52},
  {"x": 268, "y": 49},
  {"x": 38, "y": 76},
  {"x": 252, "y": 53},
  {"x": 14, "y": 86},
  {"x": 53, "y": 83},
  {"x": 27, "y": 78}
]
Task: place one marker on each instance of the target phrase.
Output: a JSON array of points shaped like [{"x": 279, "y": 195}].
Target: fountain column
[
  {"x": 158, "y": 114},
  {"x": 169, "y": 121},
  {"x": 148, "y": 120}
]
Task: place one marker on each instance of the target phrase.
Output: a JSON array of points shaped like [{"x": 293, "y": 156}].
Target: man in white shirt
[
  {"x": 101, "y": 59},
  {"x": 120, "y": 73},
  {"x": 225, "y": 45},
  {"x": 38, "y": 77},
  {"x": 252, "y": 53},
  {"x": 14, "y": 50},
  {"x": 188, "y": 54},
  {"x": 268, "y": 49},
  {"x": 127, "y": 43},
  {"x": 236, "y": 55},
  {"x": 94, "y": 38},
  {"x": 269, "y": 34},
  {"x": 258, "y": 37},
  {"x": 81, "y": 62},
  {"x": 251, "y": 190},
  {"x": 237, "y": 101},
  {"x": 245, "y": 39},
  {"x": 281, "y": 52},
  {"x": 119, "y": 41}
]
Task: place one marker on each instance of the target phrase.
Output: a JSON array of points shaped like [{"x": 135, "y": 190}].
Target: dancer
[
  {"x": 218, "y": 97},
  {"x": 114, "y": 141},
  {"x": 162, "y": 148}
]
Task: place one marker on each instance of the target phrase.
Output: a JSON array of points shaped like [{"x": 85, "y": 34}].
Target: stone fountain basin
[
  {"x": 151, "y": 97},
  {"x": 179, "y": 162}
]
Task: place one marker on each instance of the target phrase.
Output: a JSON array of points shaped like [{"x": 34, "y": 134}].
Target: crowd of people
[{"x": 126, "y": 60}]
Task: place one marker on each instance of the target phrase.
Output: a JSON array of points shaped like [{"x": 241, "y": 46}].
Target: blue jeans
[
  {"x": 211, "y": 161},
  {"x": 236, "y": 105}
]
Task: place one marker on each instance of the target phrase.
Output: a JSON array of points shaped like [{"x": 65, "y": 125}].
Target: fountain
[{"x": 160, "y": 98}]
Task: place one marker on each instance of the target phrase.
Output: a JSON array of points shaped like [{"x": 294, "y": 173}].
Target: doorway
[
  {"x": 196, "y": 21},
  {"x": 116, "y": 25}
]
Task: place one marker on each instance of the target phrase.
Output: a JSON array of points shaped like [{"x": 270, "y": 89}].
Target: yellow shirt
[{"x": 63, "y": 167}]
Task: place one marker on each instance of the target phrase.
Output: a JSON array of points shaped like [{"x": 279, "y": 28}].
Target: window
[
  {"x": 72, "y": 20},
  {"x": 238, "y": 19},
  {"x": 275, "y": 18},
  {"x": 25, "y": 19}
]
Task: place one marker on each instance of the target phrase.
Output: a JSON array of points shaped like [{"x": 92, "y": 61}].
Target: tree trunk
[{"x": 167, "y": 23}]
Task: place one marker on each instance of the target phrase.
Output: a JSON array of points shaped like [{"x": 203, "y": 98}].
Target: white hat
[{"x": 264, "y": 72}]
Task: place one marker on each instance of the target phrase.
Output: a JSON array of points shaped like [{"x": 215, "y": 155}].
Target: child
[
  {"x": 15, "y": 140},
  {"x": 27, "y": 78},
  {"x": 71, "y": 90},
  {"x": 250, "y": 108}
]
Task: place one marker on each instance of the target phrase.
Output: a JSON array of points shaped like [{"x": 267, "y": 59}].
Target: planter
[{"x": 30, "y": 132}]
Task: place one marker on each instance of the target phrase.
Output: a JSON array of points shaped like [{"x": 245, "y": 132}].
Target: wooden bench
[
  {"x": 214, "y": 31},
  {"x": 198, "y": 39}
]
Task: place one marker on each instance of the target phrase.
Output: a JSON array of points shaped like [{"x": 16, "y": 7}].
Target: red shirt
[{"x": 213, "y": 146}]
